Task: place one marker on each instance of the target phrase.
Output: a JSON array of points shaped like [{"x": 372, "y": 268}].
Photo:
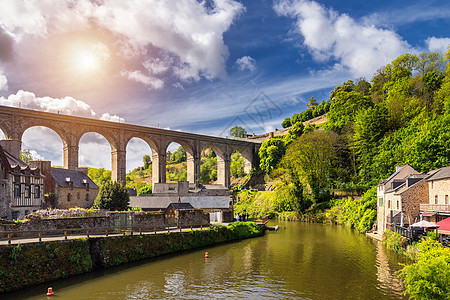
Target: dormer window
[
  {"x": 70, "y": 183},
  {"x": 86, "y": 184}
]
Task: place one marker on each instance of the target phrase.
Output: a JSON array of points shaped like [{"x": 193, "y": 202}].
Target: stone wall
[
  {"x": 58, "y": 224},
  {"x": 191, "y": 217},
  {"x": 98, "y": 223},
  {"x": 439, "y": 188},
  {"x": 5, "y": 198},
  {"x": 79, "y": 197},
  {"x": 148, "y": 219},
  {"x": 411, "y": 199},
  {"x": 28, "y": 264}
]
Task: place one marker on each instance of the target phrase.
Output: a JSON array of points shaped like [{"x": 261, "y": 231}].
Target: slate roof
[
  {"x": 77, "y": 177},
  {"x": 10, "y": 162},
  {"x": 440, "y": 174},
  {"x": 181, "y": 206}
]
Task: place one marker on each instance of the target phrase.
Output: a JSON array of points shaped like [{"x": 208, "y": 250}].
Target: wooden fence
[{"x": 105, "y": 231}]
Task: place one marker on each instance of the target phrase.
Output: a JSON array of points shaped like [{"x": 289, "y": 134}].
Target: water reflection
[{"x": 303, "y": 261}]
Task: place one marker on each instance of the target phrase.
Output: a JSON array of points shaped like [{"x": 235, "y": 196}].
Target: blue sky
[{"x": 198, "y": 66}]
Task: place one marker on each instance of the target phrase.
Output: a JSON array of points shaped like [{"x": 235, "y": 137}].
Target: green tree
[
  {"x": 146, "y": 189},
  {"x": 178, "y": 156},
  {"x": 294, "y": 132},
  {"x": 147, "y": 161},
  {"x": 99, "y": 176},
  {"x": 237, "y": 165},
  {"x": 312, "y": 103},
  {"x": 270, "y": 153},
  {"x": 208, "y": 170},
  {"x": 112, "y": 196},
  {"x": 311, "y": 160},
  {"x": 286, "y": 122},
  {"x": 238, "y": 131},
  {"x": 345, "y": 105},
  {"x": 26, "y": 156}
]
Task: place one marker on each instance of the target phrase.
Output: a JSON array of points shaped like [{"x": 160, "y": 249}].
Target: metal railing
[
  {"x": 435, "y": 207},
  {"x": 97, "y": 231}
]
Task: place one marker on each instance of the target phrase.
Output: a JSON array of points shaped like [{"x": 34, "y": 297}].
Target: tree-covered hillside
[{"x": 402, "y": 116}]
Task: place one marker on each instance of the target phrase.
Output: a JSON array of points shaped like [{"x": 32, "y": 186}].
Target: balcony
[
  {"x": 435, "y": 208},
  {"x": 24, "y": 202}
]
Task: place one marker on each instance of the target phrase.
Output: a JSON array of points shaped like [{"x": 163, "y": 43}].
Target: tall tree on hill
[
  {"x": 312, "y": 103},
  {"x": 178, "y": 156},
  {"x": 237, "y": 131},
  {"x": 147, "y": 161}
]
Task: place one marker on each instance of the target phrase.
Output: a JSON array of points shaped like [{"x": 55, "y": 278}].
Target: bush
[
  {"x": 429, "y": 276},
  {"x": 394, "y": 241},
  {"x": 112, "y": 196}
]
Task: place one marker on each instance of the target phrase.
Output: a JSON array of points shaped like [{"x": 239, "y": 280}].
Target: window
[
  {"x": 380, "y": 201},
  {"x": 436, "y": 199},
  {"x": 27, "y": 191},
  {"x": 78, "y": 195},
  {"x": 389, "y": 203},
  {"x": 17, "y": 190},
  {"x": 37, "y": 191},
  {"x": 68, "y": 197},
  {"x": 446, "y": 199},
  {"x": 87, "y": 197},
  {"x": 15, "y": 215},
  {"x": 398, "y": 204}
]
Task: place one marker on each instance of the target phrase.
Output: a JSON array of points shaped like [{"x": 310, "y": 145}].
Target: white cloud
[
  {"x": 156, "y": 66},
  {"x": 66, "y": 105},
  {"x": 361, "y": 47},
  {"x": 190, "y": 32},
  {"x": 438, "y": 44},
  {"x": 246, "y": 63},
  {"x": 36, "y": 156},
  {"x": 138, "y": 76},
  {"x": 112, "y": 118},
  {"x": 3, "y": 82}
]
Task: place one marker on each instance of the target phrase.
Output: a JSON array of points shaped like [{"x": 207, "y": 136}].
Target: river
[{"x": 299, "y": 261}]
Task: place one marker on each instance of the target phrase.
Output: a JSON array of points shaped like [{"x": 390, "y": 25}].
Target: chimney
[
  {"x": 12, "y": 147},
  {"x": 84, "y": 170},
  {"x": 43, "y": 165}
]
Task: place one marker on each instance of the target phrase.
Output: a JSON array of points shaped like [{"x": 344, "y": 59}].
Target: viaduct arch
[{"x": 14, "y": 122}]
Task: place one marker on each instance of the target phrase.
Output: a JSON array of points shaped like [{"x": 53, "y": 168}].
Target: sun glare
[
  {"x": 86, "y": 61},
  {"x": 90, "y": 58}
]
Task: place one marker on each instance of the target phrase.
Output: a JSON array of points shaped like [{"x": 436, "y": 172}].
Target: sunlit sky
[{"x": 197, "y": 66}]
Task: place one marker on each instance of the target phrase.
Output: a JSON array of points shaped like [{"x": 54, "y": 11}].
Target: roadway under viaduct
[{"x": 14, "y": 122}]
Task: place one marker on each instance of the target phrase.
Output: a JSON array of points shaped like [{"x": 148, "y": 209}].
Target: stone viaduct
[{"x": 14, "y": 122}]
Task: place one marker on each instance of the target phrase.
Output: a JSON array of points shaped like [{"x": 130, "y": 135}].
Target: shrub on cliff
[{"x": 112, "y": 196}]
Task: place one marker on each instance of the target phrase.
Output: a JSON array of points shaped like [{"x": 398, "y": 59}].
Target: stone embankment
[{"x": 24, "y": 265}]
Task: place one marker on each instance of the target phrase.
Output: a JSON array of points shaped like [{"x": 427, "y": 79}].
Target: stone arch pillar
[
  {"x": 119, "y": 165},
  {"x": 159, "y": 166},
  {"x": 71, "y": 156},
  {"x": 223, "y": 169},
  {"x": 193, "y": 164}
]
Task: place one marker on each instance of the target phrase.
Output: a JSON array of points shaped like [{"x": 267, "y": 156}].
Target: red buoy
[
  {"x": 206, "y": 255},
  {"x": 50, "y": 291}
]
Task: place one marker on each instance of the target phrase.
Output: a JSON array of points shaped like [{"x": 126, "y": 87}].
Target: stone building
[
  {"x": 214, "y": 199},
  {"x": 407, "y": 196},
  {"x": 393, "y": 194},
  {"x": 438, "y": 205},
  {"x": 71, "y": 188},
  {"x": 21, "y": 187}
]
